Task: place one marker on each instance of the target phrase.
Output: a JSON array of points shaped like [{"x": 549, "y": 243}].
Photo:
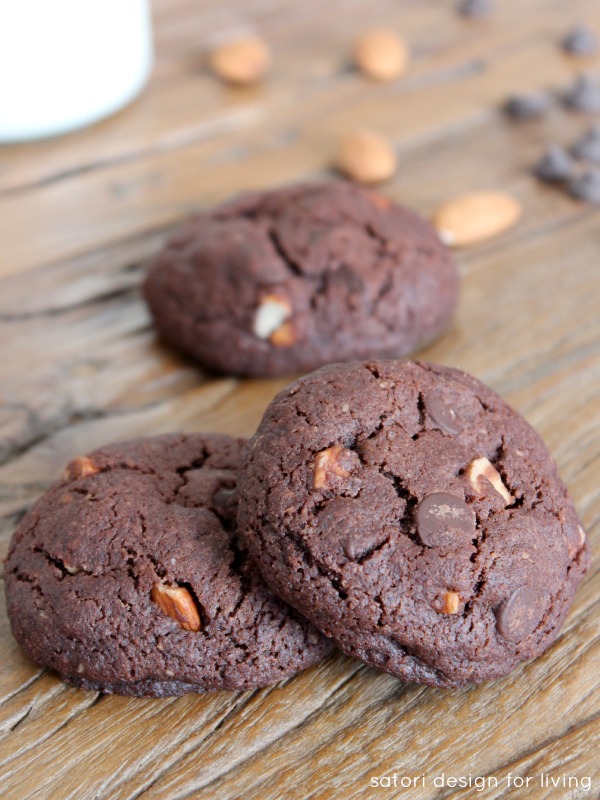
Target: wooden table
[{"x": 81, "y": 366}]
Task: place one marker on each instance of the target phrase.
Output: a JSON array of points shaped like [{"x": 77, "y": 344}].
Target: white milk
[{"x": 68, "y": 63}]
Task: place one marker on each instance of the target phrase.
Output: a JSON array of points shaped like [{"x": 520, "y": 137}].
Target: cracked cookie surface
[
  {"x": 128, "y": 576},
  {"x": 415, "y": 518},
  {"x": 284, "y": 281}
]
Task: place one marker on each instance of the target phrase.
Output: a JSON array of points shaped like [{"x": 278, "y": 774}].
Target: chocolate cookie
[
  {"x": 127, "y": 576},
  {"x": 414, "y": 517},
  {"x": 284, "y": 281}
]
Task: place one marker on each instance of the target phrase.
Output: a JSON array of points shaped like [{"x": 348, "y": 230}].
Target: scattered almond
[
  {"x": 177, "y": 603},
  {"x": 451, "y": 603},
  {"x": 381, "y": 55},
  {"x": 242, "y": 62},
  {"x": 482, "y": 471},
  {"x": 367, "y": 157},
  {"x": 270, "y": 319},
  {"x": 475, "y": 217},
  {"x": 80, "y": 468},
  {"x": 327, "y": 464}
]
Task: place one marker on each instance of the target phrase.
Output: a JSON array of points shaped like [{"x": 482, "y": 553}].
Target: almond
[
  {"x": 80, "y": 468},
  {"x": 381, "y": 55},
  {"x": 475, "y": 217},
  {"x": 367, "y": 157},
  {"x": 242, "y": 62},
  {"x": 328, "y": 464},
  {"x": 270, "y": 319},
  {"x": 177, "y": 603},
  {"x": 482, "y": 471},
  {"x": 451, "y": 603},
  {"x": 284, "y": 336}
]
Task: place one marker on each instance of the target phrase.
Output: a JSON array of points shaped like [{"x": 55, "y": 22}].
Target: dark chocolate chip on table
[
  {"x": 580, "y": 41},
  {"x": 474, "y": 8},
  {"x": 443, "y": 518},
  {"x": 583, "y": 95},
  {"x": 555, "y": 166},
  {"x": 523, "y": 107},
  {"x": 587, "y": 186},
  {"x": 588, "y": 147}
]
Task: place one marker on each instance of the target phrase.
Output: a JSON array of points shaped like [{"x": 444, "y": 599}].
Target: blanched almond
[{"x": 475, "y": 217}]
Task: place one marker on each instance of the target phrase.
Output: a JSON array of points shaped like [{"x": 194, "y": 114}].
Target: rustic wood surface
[{"x": 80, "y": 366}]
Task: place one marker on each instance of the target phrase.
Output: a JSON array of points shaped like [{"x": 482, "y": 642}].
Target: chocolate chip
[
  {"x": 523, "y": 107},
  {"x": 474, "y": 8},
  {"x": 588, "y": 147},
  {"x": 580, "y": 41},
  {"x": 555, "y": 165},
  {"x": 443, "y": 518},
  {"x": 584, "y": 95},
  {"x": 587, "y": 186},
  {"x": 520, "y": 614},
  {"x": 442, "y": 413}
]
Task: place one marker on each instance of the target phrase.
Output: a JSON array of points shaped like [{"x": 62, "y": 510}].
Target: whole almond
[
  {"x": 381, "y": 55},
  {"x": 475, "y": 217},
  {"x": 177, "y": 603},
  {"x": 367, "y": 157},
  {"x": 242, "y": 62}
]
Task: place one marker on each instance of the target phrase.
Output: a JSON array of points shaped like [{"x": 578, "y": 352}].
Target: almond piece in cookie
[
  {"x": 481, "y": 471},
  {"x": 178, "y": 604}
]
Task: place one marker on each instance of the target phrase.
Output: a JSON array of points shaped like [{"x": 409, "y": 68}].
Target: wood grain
[{"x": 80, "y": 364}]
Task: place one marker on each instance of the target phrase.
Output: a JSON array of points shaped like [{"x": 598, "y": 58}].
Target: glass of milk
[{"x": 67, "y": 63}]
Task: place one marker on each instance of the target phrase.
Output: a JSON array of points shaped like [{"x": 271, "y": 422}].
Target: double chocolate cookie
[
  {"x": 414, "y": 517},
  {"x": 284, "y": 281},
  {"x": 128, "y": 576}
]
